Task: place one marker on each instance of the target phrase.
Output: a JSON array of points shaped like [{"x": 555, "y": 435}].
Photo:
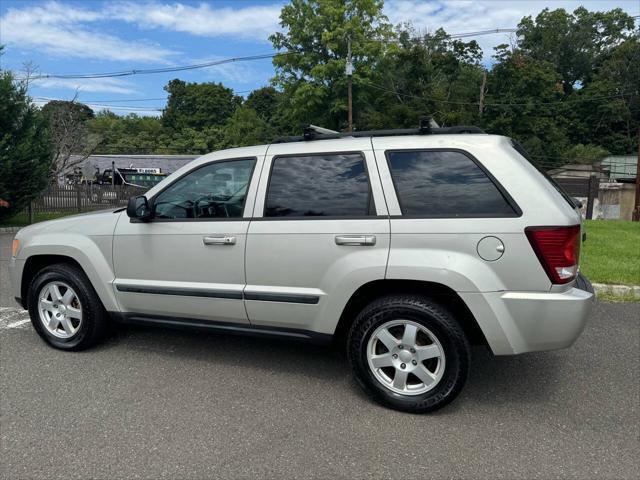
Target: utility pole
[
  {"x": 636, "y": 210},
  {"x": 482, "y": 87},
  {"x": 349, "y": 73}
]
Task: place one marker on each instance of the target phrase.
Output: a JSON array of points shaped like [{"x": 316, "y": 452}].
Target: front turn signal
[{"x": 15, "y": 246}]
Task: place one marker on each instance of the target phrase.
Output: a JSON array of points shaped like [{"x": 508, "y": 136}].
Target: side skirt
[{"x": 222, "y": 327}]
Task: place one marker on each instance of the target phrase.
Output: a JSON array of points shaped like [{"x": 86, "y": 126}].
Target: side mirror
[{"x": 138, "y": 208}]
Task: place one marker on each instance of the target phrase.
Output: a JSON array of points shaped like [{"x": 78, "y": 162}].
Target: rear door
[{"x": 319, "y": 230}]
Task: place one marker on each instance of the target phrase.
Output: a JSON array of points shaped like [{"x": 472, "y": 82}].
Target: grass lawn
[
  {"x": 611, "y": 253},
  {"x": 22, "y": 219}
]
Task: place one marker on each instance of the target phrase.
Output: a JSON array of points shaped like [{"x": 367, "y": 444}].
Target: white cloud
[
  {"x": 106, "y": 85},
  {"x": 58, "y": 29},
  {"x": 461, "y": 16},
  {"x": 254, "y": 22},
  {"x": 238, "y": 72}
]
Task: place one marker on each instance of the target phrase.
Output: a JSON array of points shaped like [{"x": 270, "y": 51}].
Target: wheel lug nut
[
  {"x": 403, "y": 365},
  {"x": 412, "y": 350},
  {"x": 395, "y": 355},
  {"x": 414, "y": 362},
  {"x": 400, "y": 347}
]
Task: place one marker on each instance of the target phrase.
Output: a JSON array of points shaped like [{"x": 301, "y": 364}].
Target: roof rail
[{"x": 312, "y": 132}]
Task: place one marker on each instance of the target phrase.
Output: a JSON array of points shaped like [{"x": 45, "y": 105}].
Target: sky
[{"x": 92, "y": 36}]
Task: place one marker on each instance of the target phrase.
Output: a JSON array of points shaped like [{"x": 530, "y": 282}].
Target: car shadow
[
  {"x": 274, "y": 354},
  {"x": 528, "y": 378},
  {"x": 504, "y": 380}
]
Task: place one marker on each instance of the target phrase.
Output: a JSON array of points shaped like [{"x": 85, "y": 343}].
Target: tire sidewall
[
  {"x": 449, "y": 335},
  {"x": 50, "y": 275}
]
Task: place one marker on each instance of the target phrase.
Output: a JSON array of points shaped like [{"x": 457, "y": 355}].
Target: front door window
[{"x": 216, "y": 190}]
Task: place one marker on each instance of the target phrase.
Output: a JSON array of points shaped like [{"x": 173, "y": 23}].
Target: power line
[
  {"x": 103, "y": 101},
  {"x": 147, "y": 71},
  {"x": 100, "y": 102},
  {"x": 483, "y": 32},
  {"x": 408, "y": 95},
  {"x": 141, "y": 108},
  {"x": 125, "y": 107}
]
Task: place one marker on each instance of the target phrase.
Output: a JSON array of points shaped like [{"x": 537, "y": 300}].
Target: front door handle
[
  {"x": 222, "y": 240},
  {"x": 355, "y": 239}
]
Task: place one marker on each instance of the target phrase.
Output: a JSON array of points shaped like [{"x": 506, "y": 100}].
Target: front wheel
[
  {"x": 409, "y": 353},
  {"x": 65, "y": 309}
]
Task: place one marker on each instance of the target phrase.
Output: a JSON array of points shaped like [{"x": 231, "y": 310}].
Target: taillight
[{"x": 558, "y": 249}]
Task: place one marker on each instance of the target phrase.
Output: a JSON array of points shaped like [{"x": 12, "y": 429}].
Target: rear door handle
[
  {"x": 222, "y": 240},
  {"x": 355, "y": 239}
]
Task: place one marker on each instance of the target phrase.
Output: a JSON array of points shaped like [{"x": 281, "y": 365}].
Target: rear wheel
[
  {"x": 64, "y": 308},
  {"x": 409, "y": 353}
]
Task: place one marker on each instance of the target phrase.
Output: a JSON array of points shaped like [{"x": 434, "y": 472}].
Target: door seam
[{"x": 384, "y": 196}]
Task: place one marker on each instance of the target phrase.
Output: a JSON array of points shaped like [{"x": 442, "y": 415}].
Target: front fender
[{"x": 93, "y": 254}]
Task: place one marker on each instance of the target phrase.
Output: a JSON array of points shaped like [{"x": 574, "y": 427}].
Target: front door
[
  {"x": 320, "y": 230},
  {"x": 188, "y": 261}
]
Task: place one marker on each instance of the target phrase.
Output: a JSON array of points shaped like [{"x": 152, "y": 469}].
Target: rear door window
[
  {"x": 445, "y": 184},
  {"x": 319, "y": 185}
]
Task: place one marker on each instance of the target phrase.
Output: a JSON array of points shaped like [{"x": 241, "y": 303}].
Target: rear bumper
[{"x": 519, "y": 322}]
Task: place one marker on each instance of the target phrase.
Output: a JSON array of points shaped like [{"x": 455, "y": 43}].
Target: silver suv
[{"x": 406, "y": 246}]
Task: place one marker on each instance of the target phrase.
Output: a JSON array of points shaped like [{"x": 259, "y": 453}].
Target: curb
[
  {"x": 617, "y": 290},
  {"x": 9, "y": 229}
]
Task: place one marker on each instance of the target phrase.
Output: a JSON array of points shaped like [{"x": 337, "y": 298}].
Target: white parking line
[
  {"x": 11, "y": 317},
  {"x": 18, "y": 323}
]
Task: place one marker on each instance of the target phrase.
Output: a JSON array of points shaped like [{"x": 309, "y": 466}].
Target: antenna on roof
[{"x": 311, "y": 131}]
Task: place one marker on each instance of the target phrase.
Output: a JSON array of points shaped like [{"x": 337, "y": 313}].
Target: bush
[{"x": 26, "y": 150}]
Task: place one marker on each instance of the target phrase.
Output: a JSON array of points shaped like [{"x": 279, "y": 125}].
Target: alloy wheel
[
  {"x": 406, "y": 357},
  {"x": 59, "y": 309}
]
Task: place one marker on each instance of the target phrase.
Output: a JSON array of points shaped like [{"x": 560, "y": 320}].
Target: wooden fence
[{"x": 81, "y": 198}]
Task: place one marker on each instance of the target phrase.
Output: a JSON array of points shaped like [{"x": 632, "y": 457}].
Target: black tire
[
  {"x": 94, "y": 317},
  {"x": 438, "y": 321}
]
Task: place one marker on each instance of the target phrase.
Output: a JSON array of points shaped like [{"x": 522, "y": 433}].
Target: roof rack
[{"x": 313, "y": 132}]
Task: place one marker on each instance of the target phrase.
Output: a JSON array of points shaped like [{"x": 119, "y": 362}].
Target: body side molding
[{"x": 222, "y": 327}]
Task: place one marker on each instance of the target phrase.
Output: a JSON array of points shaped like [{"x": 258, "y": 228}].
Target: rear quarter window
[{"x": 444, "y": 184}]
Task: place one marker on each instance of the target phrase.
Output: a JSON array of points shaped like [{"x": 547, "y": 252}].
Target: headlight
[{"x": 15, "y": 246}]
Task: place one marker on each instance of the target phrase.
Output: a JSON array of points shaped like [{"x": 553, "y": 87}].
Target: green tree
[
  {"x": 607, "y": 109},
  {"x": 422, "y": 75},
  {"x": 26, "y": 150},
  {"x": 586, "y": 154},
  {"x": 267, "y": 103},
  {"x": 311, "y": 71},
  {"x": 198, "y": 105},
  {"x": 78, "y": 110},
  {"x": 573, "y": 42},
  {"x": 523, "y": 102},
  {"x": 245, "y": 128}
]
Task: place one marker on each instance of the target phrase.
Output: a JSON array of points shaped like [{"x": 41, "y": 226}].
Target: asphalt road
[{"x": 152, "y": 403}]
